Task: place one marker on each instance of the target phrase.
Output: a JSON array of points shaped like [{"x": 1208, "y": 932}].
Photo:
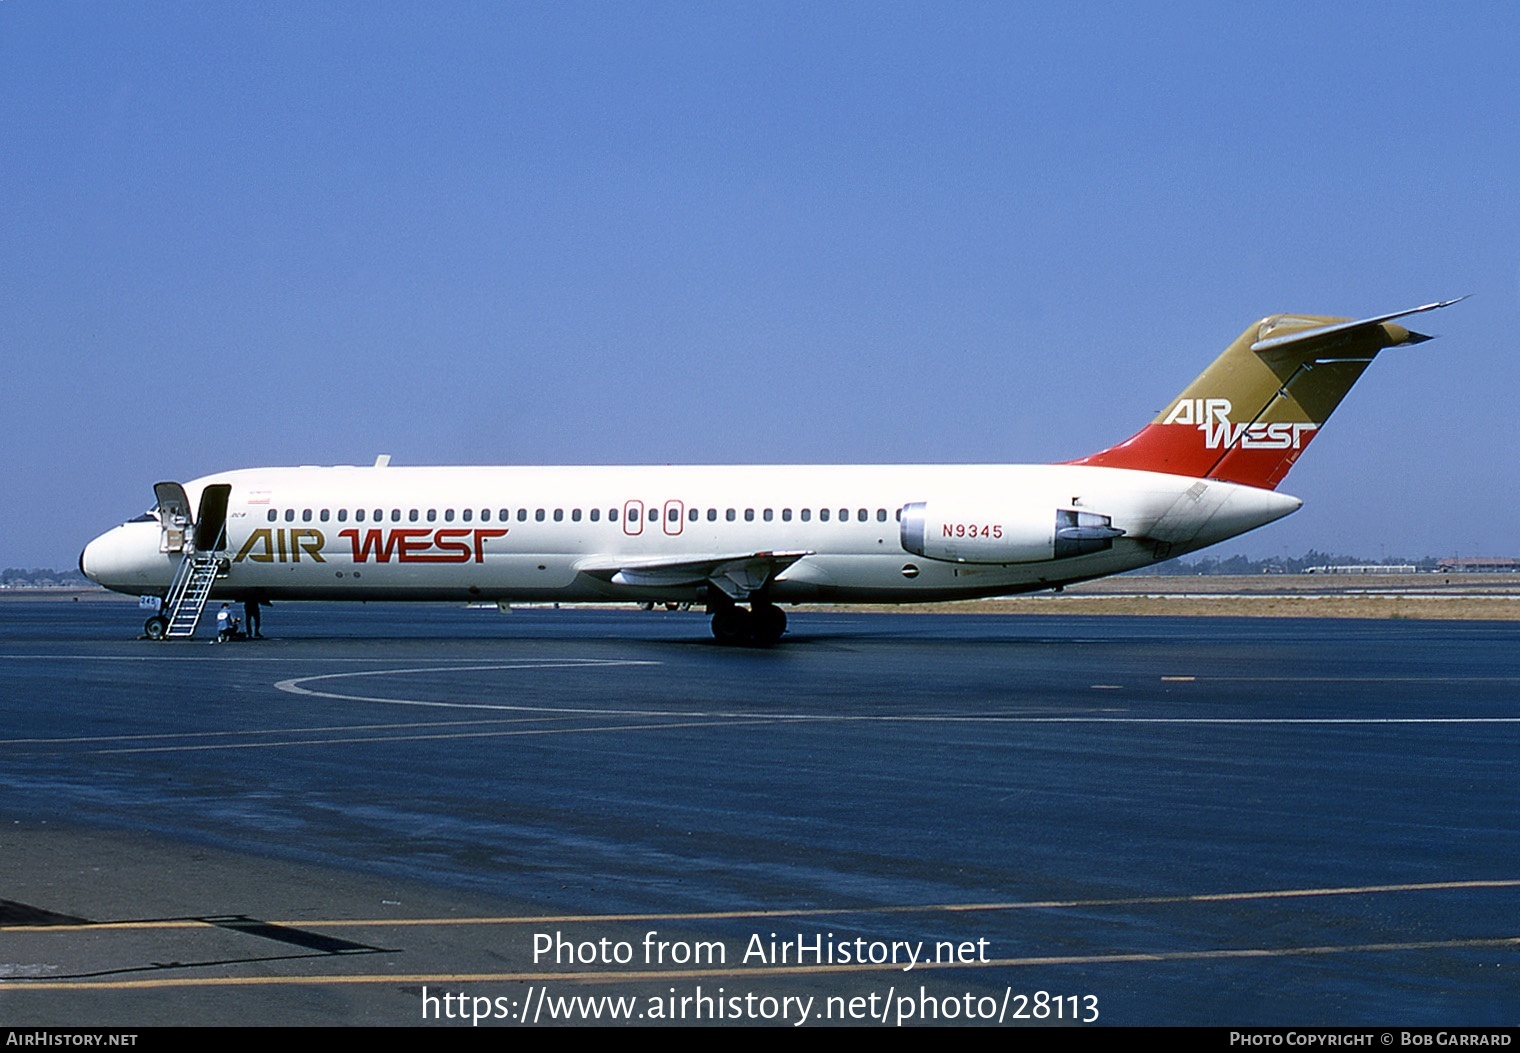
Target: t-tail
[{"x": 1248, "y": 416}]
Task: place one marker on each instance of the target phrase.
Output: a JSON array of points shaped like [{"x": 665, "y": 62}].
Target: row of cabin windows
[{"x": 503, "y": 515}]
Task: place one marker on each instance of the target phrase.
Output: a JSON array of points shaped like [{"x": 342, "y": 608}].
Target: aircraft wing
[{"x": 735, "y": 574}]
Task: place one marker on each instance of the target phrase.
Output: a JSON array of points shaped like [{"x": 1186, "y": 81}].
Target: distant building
[
  {"x": 1479, "y": 565},
  {"x": 1365, "y": 568}
]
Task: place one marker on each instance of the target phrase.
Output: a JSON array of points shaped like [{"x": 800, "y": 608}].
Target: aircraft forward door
[
  {"x": 173, "y": 516},
  {"x": 211, "y": 521}
]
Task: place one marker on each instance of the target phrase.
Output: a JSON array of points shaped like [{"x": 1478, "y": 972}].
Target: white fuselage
[{"x": 615, "y": 533}]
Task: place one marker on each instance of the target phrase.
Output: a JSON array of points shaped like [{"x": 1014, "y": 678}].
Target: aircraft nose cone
[
  {"x": 99, "y": 559},
  {"x": 127, "y": 559}
]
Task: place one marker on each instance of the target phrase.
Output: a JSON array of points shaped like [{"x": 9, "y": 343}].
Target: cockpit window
[{"x": 146, "y": 517}]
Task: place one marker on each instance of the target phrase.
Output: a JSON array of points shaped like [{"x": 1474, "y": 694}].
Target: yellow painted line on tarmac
[
  {"x": 809, "y": 912},
  {"x": 961, "y": 908}
]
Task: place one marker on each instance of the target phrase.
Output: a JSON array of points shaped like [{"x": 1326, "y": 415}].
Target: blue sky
[{"x": 241, "y": 235}]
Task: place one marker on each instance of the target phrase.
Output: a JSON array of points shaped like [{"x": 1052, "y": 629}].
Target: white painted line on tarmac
[
  {"x": 363, "y": 739},
  {"x": 295, "y": 686}
]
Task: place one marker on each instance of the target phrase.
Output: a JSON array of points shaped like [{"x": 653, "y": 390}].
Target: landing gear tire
[
  {"x": 156, "y": 627},
  {"x": 761, "y": 625},
  {"x": 731, "y": 625},
  {"x": 767, "y": 623}
]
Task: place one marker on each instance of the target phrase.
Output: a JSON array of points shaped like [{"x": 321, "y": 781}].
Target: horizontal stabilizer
[{"x": 1327, "y": 337}]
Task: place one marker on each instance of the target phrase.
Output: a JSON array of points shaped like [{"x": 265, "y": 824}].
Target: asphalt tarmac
[{"x": 421, "y": 815}]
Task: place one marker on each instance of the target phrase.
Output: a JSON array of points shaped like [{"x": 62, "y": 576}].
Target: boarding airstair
[
  {"x": 187, "y": 595},
  {"x": 202, "y": 562}
]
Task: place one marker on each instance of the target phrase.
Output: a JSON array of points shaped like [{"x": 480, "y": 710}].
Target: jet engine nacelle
[{"x": 985, "y": 534}]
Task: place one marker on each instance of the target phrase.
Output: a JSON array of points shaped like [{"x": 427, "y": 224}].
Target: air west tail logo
[
  {"x": 405, "y": 545},
  {"x": 1212, "y": 417}
]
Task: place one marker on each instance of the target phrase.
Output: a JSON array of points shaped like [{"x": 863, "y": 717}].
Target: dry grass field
[{"x": 1471, "y": 597}]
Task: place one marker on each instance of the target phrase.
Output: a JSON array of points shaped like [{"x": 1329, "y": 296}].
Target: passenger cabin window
[
  {"x": 290, "y": 515},
  {"x": 559, "y": 515},
  {"x": 881, "y": 515},
  {"x": 749, "y": 515},
  {"x": 862, "y": 515},
  {"x": 412, "y": 515},
  {"x": 467, "y": 514},
  {"x": 575, "y": 515},
  {"x": 693, "y": 515},
  {"x": 273, "y": 515},
  {"x": 306, "y": 515},
  {"x": 538, "y": 515},
  {"x": 712, "y": 515},
  {"x": 612, "y": 515},
  {"x": 485, "y": 514},
  {"x": 823, "y": 515},
  {"x": 731, "y": 515},
  {"x": 522, "y": 515},
  {"x": 432, "y": 515},
  {"x": 448, "y": 515},
  {"x": 596, "y": 515},
  {"x": 322, "y": 515},
  {"x": 807, "y": 513}
]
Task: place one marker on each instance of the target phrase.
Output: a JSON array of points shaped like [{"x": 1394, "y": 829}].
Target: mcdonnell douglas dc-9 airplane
[{"x": 752, "y": 536}]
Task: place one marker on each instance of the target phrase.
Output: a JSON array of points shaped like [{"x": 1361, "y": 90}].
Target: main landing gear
[{"x": 762, "y": 625}]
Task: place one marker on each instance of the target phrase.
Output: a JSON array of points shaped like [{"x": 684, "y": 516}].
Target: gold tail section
[{"x": 1248, "y": 416}]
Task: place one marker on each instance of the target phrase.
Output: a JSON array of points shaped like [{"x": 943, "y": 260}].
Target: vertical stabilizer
[{"x": 1248, "y": 416}]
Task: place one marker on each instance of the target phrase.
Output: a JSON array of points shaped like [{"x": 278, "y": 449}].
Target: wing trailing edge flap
[{"x": 736, "y": 575}]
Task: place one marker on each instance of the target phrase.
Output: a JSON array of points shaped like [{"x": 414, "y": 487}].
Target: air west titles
[
  {"x": 282, "y": 545},
  {"x": 420, "y": 545},
  {"x": 375, "y": 545},
  {"x": 1212, "y": 417}
]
